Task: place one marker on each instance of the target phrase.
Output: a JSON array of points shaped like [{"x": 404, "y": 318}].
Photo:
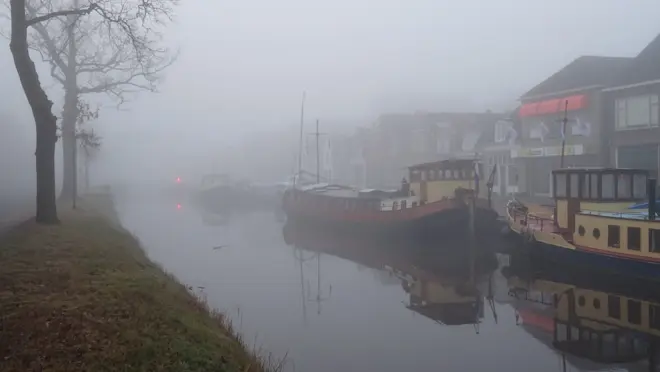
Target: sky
[{"x": 244, "y": 65}]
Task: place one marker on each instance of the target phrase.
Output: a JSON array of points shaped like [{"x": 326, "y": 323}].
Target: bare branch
[{"x": 61, "y": 13}]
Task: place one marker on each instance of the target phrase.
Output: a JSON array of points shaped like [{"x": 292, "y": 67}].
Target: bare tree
[
  {"x": 88, "y": 141},
  {"x": 132, "y": 22},
  {"x": 114, "y": 51}
]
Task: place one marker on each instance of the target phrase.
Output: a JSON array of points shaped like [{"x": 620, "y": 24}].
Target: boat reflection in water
[
  {"x": 593, "y": 321},
  {"x": 445, "y": 284}
]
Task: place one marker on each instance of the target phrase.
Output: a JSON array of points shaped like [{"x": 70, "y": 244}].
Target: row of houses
[{"x": 612, "y": 109}]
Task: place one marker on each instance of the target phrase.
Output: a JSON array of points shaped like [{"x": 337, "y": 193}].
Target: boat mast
[
  {"x": 318, "y": 152},
  {"x": 300, "y": 140},
  {"x": 564, "y": 121},
  {"x": 318, "y": 156}
]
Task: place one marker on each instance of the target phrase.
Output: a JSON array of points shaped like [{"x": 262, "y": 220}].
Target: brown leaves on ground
[{"x": 82, "y": 296}]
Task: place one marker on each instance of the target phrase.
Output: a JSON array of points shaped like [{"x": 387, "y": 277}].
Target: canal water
[{"x": 328, "y": 303}]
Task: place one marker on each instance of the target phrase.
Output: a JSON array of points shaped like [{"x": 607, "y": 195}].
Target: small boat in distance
[
  {"x": 437, "y": 200},
  {"x": 219, "y": 192}
]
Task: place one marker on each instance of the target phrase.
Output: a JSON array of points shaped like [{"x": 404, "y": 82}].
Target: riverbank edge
[{"x": 83, "y": 295}]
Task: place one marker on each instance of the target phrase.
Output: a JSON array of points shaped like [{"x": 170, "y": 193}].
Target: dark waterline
[{"x": 359, "y": 321}]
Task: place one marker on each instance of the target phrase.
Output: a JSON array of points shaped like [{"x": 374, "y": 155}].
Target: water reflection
[
  {"x": 594, "y": 321},
  {"x": 443, "y": 282},
  {"x": 334, "y": 302}
]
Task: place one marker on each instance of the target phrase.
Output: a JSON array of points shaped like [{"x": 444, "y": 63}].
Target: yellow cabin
[
  {"x": 439, "y": 180},
  {"x": 593, "y": 210}
]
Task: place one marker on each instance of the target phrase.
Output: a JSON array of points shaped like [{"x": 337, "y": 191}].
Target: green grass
[{"x": 82, "y": 296}]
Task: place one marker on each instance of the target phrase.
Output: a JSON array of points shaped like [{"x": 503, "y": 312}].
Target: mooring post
[{"x": 472, "y": 238}]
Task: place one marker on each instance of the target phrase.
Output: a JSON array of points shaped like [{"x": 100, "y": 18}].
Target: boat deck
[{"x": 539, "y": 217}]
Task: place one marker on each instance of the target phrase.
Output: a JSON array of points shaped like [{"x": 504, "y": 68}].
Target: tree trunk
[
  {"x": 69, "y": 117},
  {"x": 41, "y": 106}
]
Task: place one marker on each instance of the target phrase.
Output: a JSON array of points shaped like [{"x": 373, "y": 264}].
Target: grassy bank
[{"x": 82, "y": 296}]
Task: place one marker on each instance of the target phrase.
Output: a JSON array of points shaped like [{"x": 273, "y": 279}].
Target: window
[
  {"x": 457, "y": 174},
  {"x": 439, "y": 174},
  {"x": 634, "y": 238},
  {"x": 415, "y": 176},
  {"x": 424, "y": 175},
  {"x": 575, "y": 185},
  {"x": 395, "y": 206},
  {"x": 614, "y": 307},
  {"x": 585, "y": 186},
  {"x": 637, "y": 112},
  {"x": 613, "y": 236},
  {"x": 654, "y": 316},
  {"x": 593, "y": 184},
  {"x": 639, "y": 186},
  {"x": 560, "y": 186},
  {"x": 634, "y": 312},
  {"x": 448, "y": 174},
  {"x": 404, "y": 204},
  {"x": 623, "y": 186},
  {"x": 607, "y": 186},
  {"x": 654, "y": 240}
]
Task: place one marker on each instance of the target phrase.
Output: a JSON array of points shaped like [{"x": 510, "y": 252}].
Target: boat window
[
  {"x": 593, "y": 185},
  {"x": 654, "y": 316},
  {"x": 439, "y": 174},
  {"x": 614, "y": 307},
  {"x": 639, "y": 186},
  {"x": 575, "y": 185},
  {"x": 457, "y": 174},
  {"x": 448, "y": 174},
  {"x": 585, "y": 186},
  {"x": 560, "y": 186},
  {"x": 634, "y": 312},
  {"x": 623, "y": 187},
  {"x": 613, "y": 236},
  {"x": 607, "y": 186},
  {"x": 634, "y": 238},
  {"x": 654, "y": 240},
  {"x": 404, "y": 204}
]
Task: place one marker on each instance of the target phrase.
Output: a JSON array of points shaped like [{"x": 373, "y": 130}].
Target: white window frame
[{"x": 622, "y": 104}]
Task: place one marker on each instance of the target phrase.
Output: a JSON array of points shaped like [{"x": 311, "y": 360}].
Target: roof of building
[
  {"x": 644, "y": 67},
  {"x": 583, "y": 72}
]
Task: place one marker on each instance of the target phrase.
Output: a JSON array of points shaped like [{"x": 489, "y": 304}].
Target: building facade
[
  {"x": 573, "y": 95},
  {"x": 632, "y": 110},
  {"x": 498, "y": 142},
  {"x": 398, "y": 141}
]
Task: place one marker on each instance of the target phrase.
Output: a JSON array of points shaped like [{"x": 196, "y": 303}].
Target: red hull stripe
[{"x": 407, "y": 214}]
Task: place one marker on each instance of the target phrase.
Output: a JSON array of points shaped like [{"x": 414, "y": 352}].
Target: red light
[
  {"x": 178, "y": 206},
  {"x": 178, "y": 179}
]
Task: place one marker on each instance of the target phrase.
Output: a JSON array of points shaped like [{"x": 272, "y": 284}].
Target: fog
[{"x": 236, "y": 88}]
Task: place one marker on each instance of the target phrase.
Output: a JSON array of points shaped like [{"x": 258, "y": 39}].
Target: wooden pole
[
  {"x": 563, "y": 137},
  {"x": 300, "y": 141},
  {"x": 318, "y": 154}
]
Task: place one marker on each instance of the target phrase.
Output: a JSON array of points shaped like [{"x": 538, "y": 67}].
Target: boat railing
[
  {"x": 521, "y": 214},
  {"x": 619, "y": 214}
]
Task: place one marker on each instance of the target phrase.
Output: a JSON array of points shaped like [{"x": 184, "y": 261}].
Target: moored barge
[
  {"x": 596, "y": 222},
  {"x": 439, "y": 199}
]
